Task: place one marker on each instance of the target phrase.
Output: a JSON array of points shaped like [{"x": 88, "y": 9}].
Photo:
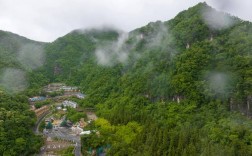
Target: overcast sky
[{"x": 46, "y": 20}]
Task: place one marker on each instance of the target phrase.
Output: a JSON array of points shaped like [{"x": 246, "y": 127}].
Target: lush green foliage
[
  {"x": 178, "y": 97},
  {"x": 73, "y": 115},
  {"x": 49, "y": 125},
  {"x": 115, "y": 137},
  {"x": 174, "y": 95},
  {"x": 207, "y": 79},
  {"x": 42, "y": 103},
  {"x": 16, "y": 123},
  {"x": 67, "y": 152}
]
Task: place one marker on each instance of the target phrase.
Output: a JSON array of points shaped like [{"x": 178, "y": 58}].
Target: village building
[
  {"x": 56, "y": 123},
  {"x": 37, "y": 98},
  {"x": 85, "y": 132},
  {"x": 69, "y": 89},
  {"x": 71, "y": 104},
  {"x": 76, "y": 130},
  {"x": 53, "y": 87},
  {"x": 80, "y": 96}
]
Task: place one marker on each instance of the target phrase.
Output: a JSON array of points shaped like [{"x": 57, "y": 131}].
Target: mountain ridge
[
  {"x": 201, "y": 4},
  {"x": 178, "y": 87}
]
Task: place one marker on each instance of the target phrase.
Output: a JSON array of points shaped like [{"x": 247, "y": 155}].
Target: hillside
[
  {"x": 175, "y": 84},
  {"x": 179, "y": 87},
  {"x": 12, "y": 47},
  {"x": 18, "y": 57},
  {"x": 156, "y": 57}
]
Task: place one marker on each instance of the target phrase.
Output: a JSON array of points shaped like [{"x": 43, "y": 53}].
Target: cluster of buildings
[
  {"x": 61, "y": 87},
  {"x": 54, "y": 87},
  {"x": 37, "y": 98},
  {"x": 69, "y": 89},
  {"x": 65, "y": 104},
  {"x": 80, "y": 95},
  {"x": 71, "y": 104},
  {"x": 78, "y": 128}
]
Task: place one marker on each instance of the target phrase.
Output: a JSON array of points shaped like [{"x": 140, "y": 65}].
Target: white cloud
[
  {"x": 217, "y": 20},
  {"x": 31, "y": 56},
  {"x": 13, "y": 80},
  {"x": 113, "y": 51},
  {"x": 48, "y": 19}
]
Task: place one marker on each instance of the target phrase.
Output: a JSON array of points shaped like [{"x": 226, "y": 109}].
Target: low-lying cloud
[
  {"x": 218, "y": 84},
  {"x": 13, "y": 80},
  {"x": 31, "y": 56},
  {"x": 217, "y": 20},
  {"x": 113, "y": 52},
  {"x": 160, "y": 34}
]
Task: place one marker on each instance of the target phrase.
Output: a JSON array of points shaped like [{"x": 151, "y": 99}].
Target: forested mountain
[
  {"x": 12, "y": 49},
  {"x": 19, "y": 56},
  {"x": 201, "y": 54},
  {"x": 16, "y": 120},
  {"x": 173, "y": 85},
  {"x": 16, "y": 126},
  {"x": 169, "y": 88}
]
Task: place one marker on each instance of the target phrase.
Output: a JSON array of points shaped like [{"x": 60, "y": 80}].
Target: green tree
[{"x": 49, "y": 125}]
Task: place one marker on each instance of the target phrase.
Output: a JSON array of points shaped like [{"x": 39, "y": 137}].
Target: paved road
[
  {"x": 36, "y": 128},
  {"x": 77, "y": 150},
  {"x": 65, "y": 134}
]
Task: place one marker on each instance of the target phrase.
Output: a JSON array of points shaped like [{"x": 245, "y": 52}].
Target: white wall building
[
  {"x": 80, "y": 96},
  {"x": 69, "y": 104},
  {"x": 85, "y": 132},
  {"x": 69, "y": 88},
  {"x": 77, "y": 130}
]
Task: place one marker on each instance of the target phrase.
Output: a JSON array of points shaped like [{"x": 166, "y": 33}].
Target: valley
[
  {"x": 51, "y": 109},
  {"x": 176, "y": 87}
]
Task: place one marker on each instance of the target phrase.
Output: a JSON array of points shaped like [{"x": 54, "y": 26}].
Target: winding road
[{"x": 36, "y": 128}]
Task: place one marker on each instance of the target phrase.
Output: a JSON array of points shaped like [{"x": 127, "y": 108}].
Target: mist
[
  {"x": 218, "y": 84},
  {"x": 113, "y": 52},
  {"x": 13, "y": 80},
  {"x": 31, "y": 56},
  {"x": 160, "y": 34},
  {"x": 217, "y": 20}
]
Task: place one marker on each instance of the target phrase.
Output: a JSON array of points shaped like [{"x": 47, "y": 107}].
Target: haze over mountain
[{"x": 180, "y": 87}]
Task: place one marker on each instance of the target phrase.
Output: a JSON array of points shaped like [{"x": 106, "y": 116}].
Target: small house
[
  {"x": 37, "y": 98},
  {"x": 69, "y": 88},
  {"x": 80, "y": 96},
  {"x": 67, "y": 103},
  {"x": 85, "y": 132}
]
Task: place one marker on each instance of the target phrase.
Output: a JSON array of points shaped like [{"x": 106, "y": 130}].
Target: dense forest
[
  {"x": 16, "y": 120},
  {"x": 180, "y": 87},
  {"x": 16, "y": 126}
]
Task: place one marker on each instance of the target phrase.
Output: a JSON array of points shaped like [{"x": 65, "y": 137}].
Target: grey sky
[{"x": 46, "y": 20}]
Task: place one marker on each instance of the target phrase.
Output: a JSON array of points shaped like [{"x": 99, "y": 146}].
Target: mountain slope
[
  {"x": 168, "y": 88},
  {"x": 158, "y": 52},
  {"x": 18, "y": 56},
  {"x": 169, "y": 84},
  {"x": 11, "y": 45}
]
